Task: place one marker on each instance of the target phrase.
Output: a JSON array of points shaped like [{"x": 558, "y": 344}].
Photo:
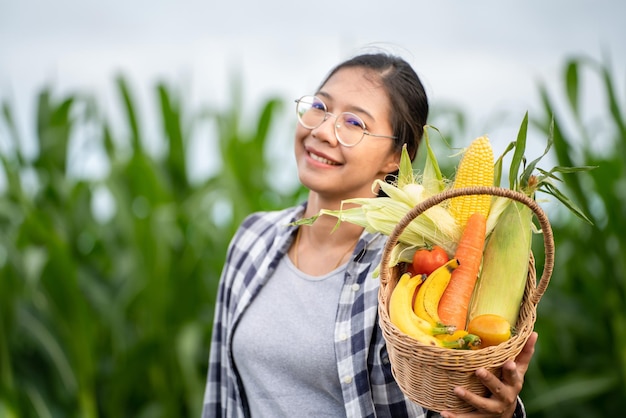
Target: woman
[{"x": 296, "y": 332}]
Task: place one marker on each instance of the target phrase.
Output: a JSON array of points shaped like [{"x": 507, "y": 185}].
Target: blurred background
[{"x": 135, "y": 136}]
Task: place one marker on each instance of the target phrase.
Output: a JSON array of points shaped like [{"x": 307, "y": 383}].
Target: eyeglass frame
[{"x": 328, "y": 114}]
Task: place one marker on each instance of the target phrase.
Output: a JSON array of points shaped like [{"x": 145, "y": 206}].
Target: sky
[{"x": 484, "y": 56}]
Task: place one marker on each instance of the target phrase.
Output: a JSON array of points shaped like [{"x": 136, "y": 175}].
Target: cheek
[
  {"x": 380, "y": 158},
  {"x": 300, "y": 134},
  {"x": 298, "y": 143}
]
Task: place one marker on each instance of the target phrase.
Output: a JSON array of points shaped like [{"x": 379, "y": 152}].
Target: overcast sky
[{"x": 482, "y": 55}]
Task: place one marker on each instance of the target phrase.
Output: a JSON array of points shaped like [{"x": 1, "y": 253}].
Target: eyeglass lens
[{"x": 312, "y": 112}]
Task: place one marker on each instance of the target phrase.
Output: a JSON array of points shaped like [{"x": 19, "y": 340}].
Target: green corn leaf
[
  {"x": 432, "y": 179},
  {"x": 405, "y": 173},
  {"x": 550, "y": 189},
  {"x": 571, "y": 83},
  {"x": 131, "y": 114},
  {"x": 497, "y": 180},
  {"x": 518, "y": 155},
  {"x": 172, "y": 126},
  {"x": 530, "y": 168}
]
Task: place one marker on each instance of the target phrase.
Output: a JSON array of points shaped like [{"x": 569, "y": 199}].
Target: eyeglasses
[{"x": 349, "y": 128}]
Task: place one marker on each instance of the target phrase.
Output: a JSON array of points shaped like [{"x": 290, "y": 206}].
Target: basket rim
[{"x": 548, "y": 238}]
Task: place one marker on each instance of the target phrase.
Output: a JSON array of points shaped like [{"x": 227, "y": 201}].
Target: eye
[
  {"x": 318, "y": 104},
  {"x": 352, "y": 121}
]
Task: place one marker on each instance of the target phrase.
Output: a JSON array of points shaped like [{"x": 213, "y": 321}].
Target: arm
[{"x": 504, "y": 399}]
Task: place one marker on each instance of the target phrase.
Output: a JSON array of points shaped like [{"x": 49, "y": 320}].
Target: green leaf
[
  {"x": 172, "y": 126},
  {"x": 54, "y": 126},
  {"x": 567, "y": 170},
  {"x": 405, "y": 173},
  {"x": 497, "y": 180},
  {"x": 131, "y": 115},
  {"x": 572, "y": 388},
  {"x": 518, "y": 155},
  {"x": 432, "y": 179},
  {"x": 550, "y": 189},
  {"x": 14, "y": 135},
  {"x": 571, "y": 82},
  {"x": 614, "y": 105},
  {"x": 531, "y": 167},
  {"x": 51, "y": 345}
]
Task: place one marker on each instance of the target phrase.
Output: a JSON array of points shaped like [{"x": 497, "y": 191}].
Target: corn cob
[
  {"x": 475, "y": 169},
  {"x": 500, "y": 286}
]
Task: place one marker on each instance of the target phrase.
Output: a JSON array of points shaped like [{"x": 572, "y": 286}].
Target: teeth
[{"x": 322, "y": 159}]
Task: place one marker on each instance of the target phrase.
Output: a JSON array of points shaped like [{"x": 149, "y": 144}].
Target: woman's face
[{"x": 327, "y": 167}]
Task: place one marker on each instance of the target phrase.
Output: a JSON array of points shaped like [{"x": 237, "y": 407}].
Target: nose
[{"x": 326, "y": 131}]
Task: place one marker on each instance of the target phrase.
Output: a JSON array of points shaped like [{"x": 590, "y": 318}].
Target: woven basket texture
[{"x": 428, "y": 375}]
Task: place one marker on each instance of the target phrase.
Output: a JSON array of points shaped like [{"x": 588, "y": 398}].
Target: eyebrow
[{"x": 353, "y": 109}]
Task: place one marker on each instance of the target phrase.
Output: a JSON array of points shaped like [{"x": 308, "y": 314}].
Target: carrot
[{"x": 454, "y": 303}]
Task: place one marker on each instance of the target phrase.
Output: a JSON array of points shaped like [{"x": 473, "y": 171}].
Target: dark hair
[{"x": 409, "y": 104}]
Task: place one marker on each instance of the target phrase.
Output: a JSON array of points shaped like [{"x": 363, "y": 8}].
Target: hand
[{"x": 504, "y": 393}]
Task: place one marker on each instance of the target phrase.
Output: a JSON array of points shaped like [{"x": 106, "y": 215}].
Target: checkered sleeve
[
  {"x": 252, "y": 254},
  {"x": 369, "y": 387}
]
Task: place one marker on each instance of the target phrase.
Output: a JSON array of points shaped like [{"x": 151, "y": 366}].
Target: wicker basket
[{"x": 427, "y": 375}]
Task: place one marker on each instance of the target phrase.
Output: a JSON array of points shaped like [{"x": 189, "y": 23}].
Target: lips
[{"x": 321, "y": 159}]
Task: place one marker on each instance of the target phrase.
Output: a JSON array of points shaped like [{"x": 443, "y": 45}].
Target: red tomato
[{"x": 427, "y": 260}]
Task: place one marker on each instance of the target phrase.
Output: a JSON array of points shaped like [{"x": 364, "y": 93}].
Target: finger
[
  {"x": 481, "y": 404},
  {"x": 450, "y": 414},
  {"x": 523, "y": 358},
  {"x": 512, "y": 375},
  {"x": 500, "y": 390},
  {"x": 505, "y": 391}
]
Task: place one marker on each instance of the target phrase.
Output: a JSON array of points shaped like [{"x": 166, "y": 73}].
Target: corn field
[{"x": 107, "y": 313}]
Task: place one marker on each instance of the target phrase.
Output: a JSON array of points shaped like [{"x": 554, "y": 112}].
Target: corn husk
[
  {"x": 500, "y": 285},
  {"x": 435, "y": 226}
]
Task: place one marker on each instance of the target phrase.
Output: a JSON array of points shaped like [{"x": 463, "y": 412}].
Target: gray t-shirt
[{"x": 283, "y": 346}]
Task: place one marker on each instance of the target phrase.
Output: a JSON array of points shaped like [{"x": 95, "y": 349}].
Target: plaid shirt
[{"x": 369, "y": 389}]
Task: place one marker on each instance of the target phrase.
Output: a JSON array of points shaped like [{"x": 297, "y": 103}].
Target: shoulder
[
  {"x": 261, "y": 230},
  {"x": 259, "y": 241},
  {"x": 277, "y": 218},
  {"x": 267, "y": 224}
]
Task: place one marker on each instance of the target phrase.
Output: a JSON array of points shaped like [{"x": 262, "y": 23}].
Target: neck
[
  {"x": 323, "y": 240},
  {"x": 324, "y": 231},
  {"x": 317, "y": 202},
  {"x": 311, "y": 246}
]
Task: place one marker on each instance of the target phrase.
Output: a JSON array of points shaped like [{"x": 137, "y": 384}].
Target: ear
[{"x": 393, "y": 162}]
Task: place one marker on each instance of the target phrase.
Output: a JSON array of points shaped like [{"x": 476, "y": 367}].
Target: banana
[
  {"x": 462, "y": 339},
  {"x": 458, "y": 334},
  {"x": 404, "y": 318},
  {"x": 430, "y": 292}
]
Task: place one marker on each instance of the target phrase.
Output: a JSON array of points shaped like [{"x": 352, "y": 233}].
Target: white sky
[{"x": 483, "y": 55}]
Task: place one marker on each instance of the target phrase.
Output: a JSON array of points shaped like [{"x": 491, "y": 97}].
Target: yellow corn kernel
[{"x": 475, "y": 169}]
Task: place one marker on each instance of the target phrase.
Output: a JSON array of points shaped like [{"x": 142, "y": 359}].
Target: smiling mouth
[{"x": 322, "y": 159}]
